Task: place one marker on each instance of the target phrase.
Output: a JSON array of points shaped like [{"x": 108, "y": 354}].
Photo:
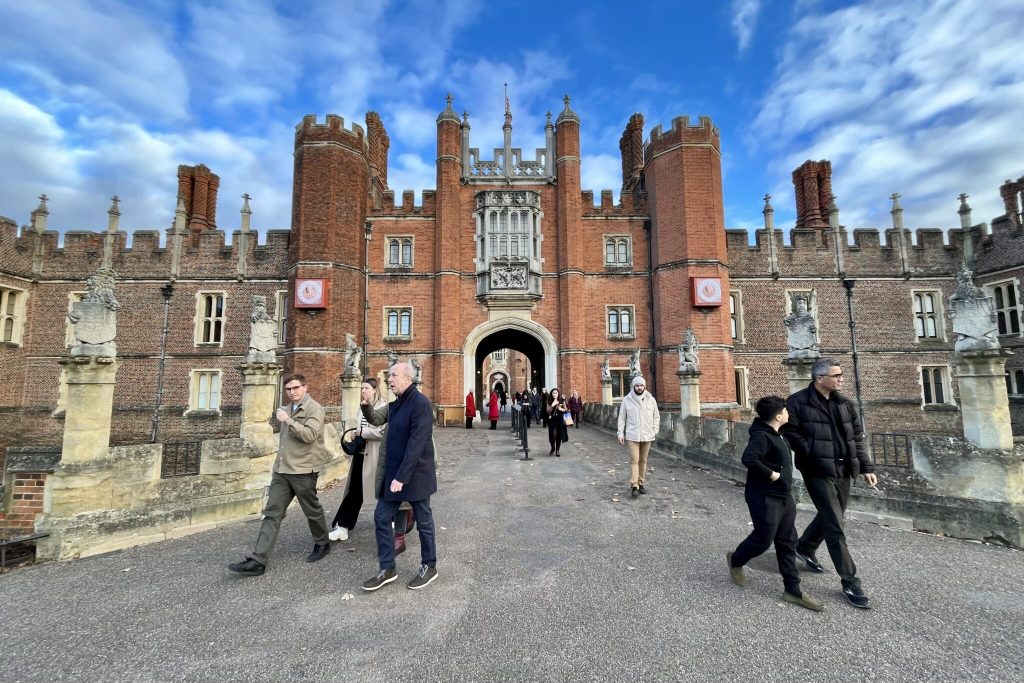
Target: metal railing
[
  {"x": 7, "y": 542},
  {"x": 891, "y": 450},
  {"x": 521, "y": 432},
  {"x": 181, "y": 459}
]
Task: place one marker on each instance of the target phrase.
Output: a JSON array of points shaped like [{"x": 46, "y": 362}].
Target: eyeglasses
[
  {"x": 837, "y": 375},
  {"x": 294, "y": 388}
]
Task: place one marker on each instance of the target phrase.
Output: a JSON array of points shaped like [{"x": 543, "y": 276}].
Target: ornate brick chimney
[
  {"x": 197, "y": 185},
  {"x": 812, "y": 186}
]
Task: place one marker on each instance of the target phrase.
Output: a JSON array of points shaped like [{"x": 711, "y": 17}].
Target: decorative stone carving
[
  {"x": 498, "y": 198},
  {"x": 508, "y": 277},
  {"x": 606, "y": 372},
  {"x": 973, "y": 314},
  {"x": 803, "y": 331},
  {"x": 634, "y": 365},
  {"x": 262, "y": 333},
  {"x": 417, "y": 371},
  {"x": 689, "y": 363},
  {"x": 95, "y": 317},
  {"x": 392, "y": 359},
  {"x": 353, "y": 356}
]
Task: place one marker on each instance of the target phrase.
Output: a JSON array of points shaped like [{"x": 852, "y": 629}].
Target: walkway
[{"x": 548, "y": 571}]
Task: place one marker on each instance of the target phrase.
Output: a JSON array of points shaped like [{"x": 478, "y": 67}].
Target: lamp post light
[{"x": 848, "y": 284}]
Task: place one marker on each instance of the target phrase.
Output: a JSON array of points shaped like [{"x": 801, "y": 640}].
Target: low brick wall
[{"x": 952, "y": 488}]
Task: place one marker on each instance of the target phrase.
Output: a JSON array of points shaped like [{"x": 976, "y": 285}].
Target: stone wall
[{"x": 951, "y": 488}]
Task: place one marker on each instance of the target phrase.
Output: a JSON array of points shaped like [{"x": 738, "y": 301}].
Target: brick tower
[
  {"x": 452, "y": 232},
  {"x": 683, "y": 179},
  {"x": 329, "y": 204}
]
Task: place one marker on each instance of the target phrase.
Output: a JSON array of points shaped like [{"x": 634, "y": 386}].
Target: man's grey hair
[
  {"x": 405, "y": 367},
  {"x": 822, "y": 366}
]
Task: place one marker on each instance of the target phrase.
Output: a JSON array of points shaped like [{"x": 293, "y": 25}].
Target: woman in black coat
[{"x": 555, "y": 412}]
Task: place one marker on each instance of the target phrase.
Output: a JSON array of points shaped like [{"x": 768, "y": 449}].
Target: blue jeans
[{"x": 384, "y": 516}]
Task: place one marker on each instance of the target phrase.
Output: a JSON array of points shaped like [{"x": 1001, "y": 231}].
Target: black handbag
[{"x": 353, "y": 445}]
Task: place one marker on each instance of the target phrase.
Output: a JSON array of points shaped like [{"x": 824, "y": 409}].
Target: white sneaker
[{"x": 338, "y": 533}]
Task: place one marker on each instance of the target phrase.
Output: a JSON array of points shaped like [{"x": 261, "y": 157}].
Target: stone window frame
[
  {"x": 494, "y": 228},
  {"x": 741, "y": 375},
  {"x": 1008, "y": 288},
  {"x": 1015, "y": 382},
  {"x": 200, "y": 318},
  {"x": 617, "y": 241},
  {"x": 398, "y": 311},
  {"x": 618, "y": 310},
  {"x": 400, "y": 242},
  {"x": 69, "y": 328},
  {"x": 281, "y": 306},
  {"x": 12, "y": 316},
  {"x": 498, "y": 356},
  {"x": 623, "y": 383},
  {"x": 736, "y": 314},
  {"x": 195, "y": 376},
  {"x": 921, "y": 317},
  {"x": 944, "y": 375}
]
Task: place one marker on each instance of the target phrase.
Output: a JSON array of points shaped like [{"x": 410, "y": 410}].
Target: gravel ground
[{"x": 548, "y": 571}]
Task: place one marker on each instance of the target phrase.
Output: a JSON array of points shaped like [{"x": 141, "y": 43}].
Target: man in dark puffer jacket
[{"x": 825, "y": 433}]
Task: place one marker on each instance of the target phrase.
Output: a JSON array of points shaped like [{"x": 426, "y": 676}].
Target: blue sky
[{"x": 925, "y": 98}]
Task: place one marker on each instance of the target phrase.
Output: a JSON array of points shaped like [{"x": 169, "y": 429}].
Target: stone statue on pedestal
[
  {"x": 606, "y": 372},
  {"x": 803, "y": 329},
  {"x": 973, "y": 314},
  {"x": 688, "y": 360},
  {"x": 418, "y": 369},
  {"x": 262, "y": 333},
  {"x": 392, "y": 359},
  {"x": 94, "y": 318},
  {"x": 353, "y": 356},
  {"x": 634, "y": 364}
]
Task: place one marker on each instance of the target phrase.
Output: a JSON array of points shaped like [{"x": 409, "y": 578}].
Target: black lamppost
[{"x": 848, "y": 284}]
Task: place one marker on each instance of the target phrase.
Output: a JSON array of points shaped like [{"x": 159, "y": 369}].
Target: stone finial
[
  {"x": 895, "y": 197},
  {"x": 548, "y": 123},
  {"x": 567, "y": 114},
  {"x": 964, "y": 211},
  {"x": 180, "y": 216},
  {"x": 113, "y": 214},
  {"x": 246, "y": 212},
  {"x": 973, "y": 314},
  {"x": 768, "y": 208},
  {"x": 508, "y": 108},
  {"x": 833, "y": 213},
  {"x": 448, "y": 114},
  {"x": 94, "y": 318},
  {"x": 802, "y": 329},
  {"x": 465, "y": 119},
  {"x": 40, "y": 214}
]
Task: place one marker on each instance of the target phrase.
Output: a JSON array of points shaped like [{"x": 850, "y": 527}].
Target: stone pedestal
[
  {"x": 350, "y": 400},
  {"x": 90, "y": 403},
  {"x": 259, "y": 391},
  {"x": 799, "y": 371},
  {"x": 689, "y": 394},
  {"x": 984, "y": 405},
  {"x": 606, "y": 392}
]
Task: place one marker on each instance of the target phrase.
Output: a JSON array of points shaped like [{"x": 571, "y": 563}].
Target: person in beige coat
[
  {"x": 638, "y": 426},
  {"x": 301, "y": 454},
  {"x": 362, "y": 474}
]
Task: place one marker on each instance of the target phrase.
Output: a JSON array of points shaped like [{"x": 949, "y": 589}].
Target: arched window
[
  {"x": 620, "y": 321},
  {"x": 407, "y": 252}
]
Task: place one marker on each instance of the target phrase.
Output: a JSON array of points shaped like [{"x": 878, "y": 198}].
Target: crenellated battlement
[
  {"x": 626, "y": 206},
  {"x": 308, "y": 131},
  {"x": 204, "y": 254},
  {"x": 408, "y": 207},
  {"x": 932, "y": 252},
  {"x": 682, "y": 133}
]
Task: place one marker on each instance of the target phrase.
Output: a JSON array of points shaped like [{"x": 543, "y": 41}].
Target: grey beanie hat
[{"x": 639, "y": 379}]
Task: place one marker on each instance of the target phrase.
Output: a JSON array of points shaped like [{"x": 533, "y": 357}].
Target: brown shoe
[{"x": 738, "y": 576}]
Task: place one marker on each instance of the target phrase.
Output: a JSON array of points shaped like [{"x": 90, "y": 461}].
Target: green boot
[{"x": 804, "y": 600}]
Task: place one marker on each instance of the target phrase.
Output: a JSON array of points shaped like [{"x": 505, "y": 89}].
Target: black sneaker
[
  {"x": 247, "y": 567},
  {"x": 811, "y": 562},
  {"x": 319, "y": 552},
  {"x": 382, "y": 578},
  {"x": 424, "y": 576},
  {"x": 855, "y": 596},
  {"x": 636, "y": 492},
  {"x": 642, "y": 489}
]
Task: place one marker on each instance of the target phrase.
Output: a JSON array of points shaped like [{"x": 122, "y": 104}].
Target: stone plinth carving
[
  {"x": 689, "y": 362},
  {"x": 973, "y": 314},
  {"x": 353, "y": 356},
  {"x": 803, "y": 331},
  {"x": 262, "y": 333},
  {"x": 95, "y": 317}
]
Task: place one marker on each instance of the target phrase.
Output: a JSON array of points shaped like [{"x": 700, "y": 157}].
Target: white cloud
[
  {"x": 744, "y": 20},
  {"x": 601, "y": 172},
  {"x": 902, "y": 98}
]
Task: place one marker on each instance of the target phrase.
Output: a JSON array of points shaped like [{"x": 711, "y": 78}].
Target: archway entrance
[{"x": 534, "y": 363}]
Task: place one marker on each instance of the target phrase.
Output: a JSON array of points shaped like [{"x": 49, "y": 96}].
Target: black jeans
[
  {"x": 469, "y": 423},
  {"x": 348, "y": 511},
  {"x": 830, "y": 496},
  {"x": 774, "y": 521}
]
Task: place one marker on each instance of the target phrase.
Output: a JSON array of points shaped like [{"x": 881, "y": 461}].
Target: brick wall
[{"x": 26, "y": 501}]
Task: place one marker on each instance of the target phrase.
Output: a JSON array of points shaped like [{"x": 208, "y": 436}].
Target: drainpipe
[
  {"x": 848, "y": 284},
  {"x": 167, "y": 291},
  {"x": 368, "y": 234},
  {"x": 652, "y": 381}
]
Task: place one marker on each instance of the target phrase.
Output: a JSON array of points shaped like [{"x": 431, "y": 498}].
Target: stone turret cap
[
  {"x": 567, "y": 114},
  {"x": 448, "y": 114}
]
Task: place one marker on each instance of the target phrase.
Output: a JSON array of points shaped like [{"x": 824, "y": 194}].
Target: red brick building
[{"x": 507, "y": 252}]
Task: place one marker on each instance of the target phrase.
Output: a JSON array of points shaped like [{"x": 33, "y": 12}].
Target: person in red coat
[
  {"x": 492, "y": 410},
  {"x": 470, "y": 409}
]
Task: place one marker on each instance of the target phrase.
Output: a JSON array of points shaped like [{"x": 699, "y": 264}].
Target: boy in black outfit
[{"x": 769, "y": 497}]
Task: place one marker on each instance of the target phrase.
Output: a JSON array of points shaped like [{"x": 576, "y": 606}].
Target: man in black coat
[
  {"x": 828, "y": 443},
  {"x": 409, "y": 475}
]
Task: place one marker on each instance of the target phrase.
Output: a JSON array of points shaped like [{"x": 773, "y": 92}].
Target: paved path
[{"x": 548, "y": 571}]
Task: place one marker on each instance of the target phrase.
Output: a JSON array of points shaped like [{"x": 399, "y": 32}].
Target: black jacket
[
  {"x": 810, "y": 434},
  {"x": 408, "y": 453},
  {"x": 767, "y": 452}
]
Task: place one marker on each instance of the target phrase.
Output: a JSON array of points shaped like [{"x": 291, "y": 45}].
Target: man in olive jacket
[
  {"x": 825, "y": 433},
  {"x": 301, "y": 454},
  {"x": 409, "y": 475}
]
